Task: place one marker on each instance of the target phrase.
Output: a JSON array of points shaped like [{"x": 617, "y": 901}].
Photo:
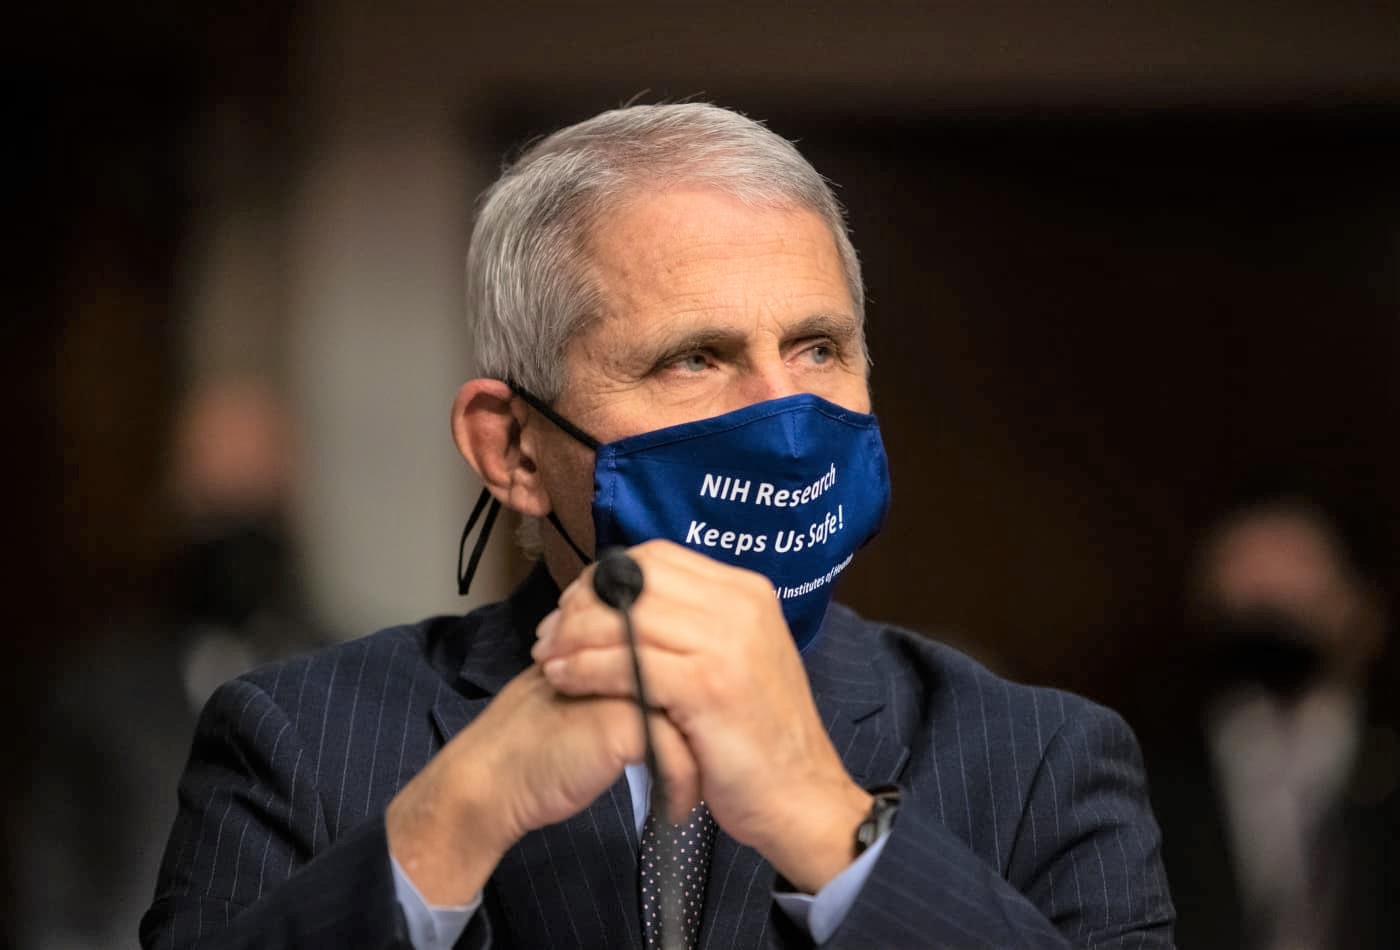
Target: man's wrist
[
  {"x": 819, "y": 841},
  {"x": 445, "y": 836}
]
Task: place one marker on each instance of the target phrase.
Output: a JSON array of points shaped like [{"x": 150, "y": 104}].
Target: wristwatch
[{"x": 880, "y": 818}]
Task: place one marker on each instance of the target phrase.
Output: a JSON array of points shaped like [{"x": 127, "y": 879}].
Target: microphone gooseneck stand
[{"x": 617, "y": 580}]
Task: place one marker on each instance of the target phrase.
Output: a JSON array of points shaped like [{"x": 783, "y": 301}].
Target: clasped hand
[
  {"x": 733, "y": 722},
  {"x": 719, "y": 663}
]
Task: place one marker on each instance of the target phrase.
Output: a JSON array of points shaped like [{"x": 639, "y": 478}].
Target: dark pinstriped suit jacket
[{"x": 1025, "y": 822}]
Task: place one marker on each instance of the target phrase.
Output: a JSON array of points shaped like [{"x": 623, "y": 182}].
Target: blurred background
[{"x": 1133, "y": 269}]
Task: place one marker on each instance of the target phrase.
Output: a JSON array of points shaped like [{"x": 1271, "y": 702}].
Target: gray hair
[{"x": 527, "y": 290}]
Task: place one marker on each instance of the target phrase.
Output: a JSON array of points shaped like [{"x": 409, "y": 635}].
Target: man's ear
[{"x": 487, "y": 421}]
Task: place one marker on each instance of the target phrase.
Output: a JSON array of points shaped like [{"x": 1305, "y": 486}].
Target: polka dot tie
[{"x": 674, "y": 863}]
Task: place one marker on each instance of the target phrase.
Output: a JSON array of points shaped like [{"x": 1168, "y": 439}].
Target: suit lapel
[
  {"x": 452, "y": 712},
  {"x": 573, "y": 884},
  {"x": 738, "y": 896},
  {"x": 851, "y": 696}
]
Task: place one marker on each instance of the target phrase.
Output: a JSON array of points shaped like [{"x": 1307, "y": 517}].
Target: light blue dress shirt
[{"x": 437, "y": 928}]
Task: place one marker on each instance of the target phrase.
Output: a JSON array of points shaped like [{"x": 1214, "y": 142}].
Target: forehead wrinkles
[
  {"x": 657, "y": 253},
  {"x": 664, "y": 259}
]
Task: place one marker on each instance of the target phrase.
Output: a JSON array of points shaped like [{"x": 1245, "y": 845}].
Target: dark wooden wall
[{"x": 1089, "y": 335}]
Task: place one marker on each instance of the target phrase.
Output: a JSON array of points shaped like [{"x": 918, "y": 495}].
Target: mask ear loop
[
  {"x": 464, "y": 579},
  {"x": 545, "y": 410},
  {"x": 559, "y": 526},
  {"x": 569, "y": 429}
]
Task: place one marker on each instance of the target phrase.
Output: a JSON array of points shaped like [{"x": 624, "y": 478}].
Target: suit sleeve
[
  {"x": 1084, "y": 868},
  {"x": 250, "y": 861}
]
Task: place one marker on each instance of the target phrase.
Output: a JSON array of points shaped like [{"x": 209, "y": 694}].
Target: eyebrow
[{"x": 839, "y": 327}]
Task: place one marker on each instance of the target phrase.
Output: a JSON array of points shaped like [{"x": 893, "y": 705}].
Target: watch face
[{"x": 880, "y": 819}]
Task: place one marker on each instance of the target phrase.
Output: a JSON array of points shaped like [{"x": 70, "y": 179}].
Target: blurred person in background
[
  {"x": 116, "y": 729},
  {"x": 1272, "y": 801}
]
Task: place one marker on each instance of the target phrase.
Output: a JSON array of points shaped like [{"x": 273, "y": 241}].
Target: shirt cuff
[
  {"x": 821, "y": 914},
  {"x": 429, "y": 927}
]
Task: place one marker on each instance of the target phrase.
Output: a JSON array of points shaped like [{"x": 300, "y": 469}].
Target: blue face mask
[{"x": 789, "y": 488}]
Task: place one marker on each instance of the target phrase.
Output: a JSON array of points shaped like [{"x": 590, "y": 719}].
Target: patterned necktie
[{"x": 674, "y": 863}]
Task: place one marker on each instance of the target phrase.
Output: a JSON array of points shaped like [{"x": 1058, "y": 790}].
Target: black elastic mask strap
[
  {"x": 564, "y": 425},
  {"x": 568, "y": 428},
  {"x": 464, "y": 580},
  {"x": 559, "y": 526}
]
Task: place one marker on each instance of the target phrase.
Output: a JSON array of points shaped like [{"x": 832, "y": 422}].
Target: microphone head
[{"x": 617, "y": 579}]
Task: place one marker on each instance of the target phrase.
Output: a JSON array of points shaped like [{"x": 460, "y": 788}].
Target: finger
[
  {"x": 546, "y": 628},
  {"x": 697, "y": 574},
  {"x": 667, "y": 572},
  {"x": 677, "y": 764},
  {"x": 580, "y": 586},
  {"x": 664, "y": 624},
  {"x": 661, "y": 556},
  {"x": 608, "y": 671},
  {"x": 681, "y": 558},
  {"x": 578, "y": 628},
  {"x": 662, "y": 578}
]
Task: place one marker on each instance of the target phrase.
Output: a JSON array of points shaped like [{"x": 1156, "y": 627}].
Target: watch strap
[{"x": 880, "y": 819}]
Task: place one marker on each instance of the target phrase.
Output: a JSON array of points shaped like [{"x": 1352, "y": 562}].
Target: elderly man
[{"x": 668, "y": 314}]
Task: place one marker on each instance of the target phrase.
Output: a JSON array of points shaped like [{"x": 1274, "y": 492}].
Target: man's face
[
  {"x": 1286, "y": 562},
  {"x": 711, "y": 306}
]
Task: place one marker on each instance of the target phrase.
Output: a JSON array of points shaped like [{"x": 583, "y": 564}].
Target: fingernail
[{"x": 554, "y": 669}]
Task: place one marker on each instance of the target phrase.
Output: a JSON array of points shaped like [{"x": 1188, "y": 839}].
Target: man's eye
[
  {"x": 821, "y": 353},
  {"x": 692, "y": 363}
]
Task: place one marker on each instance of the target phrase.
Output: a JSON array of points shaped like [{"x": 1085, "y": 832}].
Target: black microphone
[{"x": 617, "y": 580}]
